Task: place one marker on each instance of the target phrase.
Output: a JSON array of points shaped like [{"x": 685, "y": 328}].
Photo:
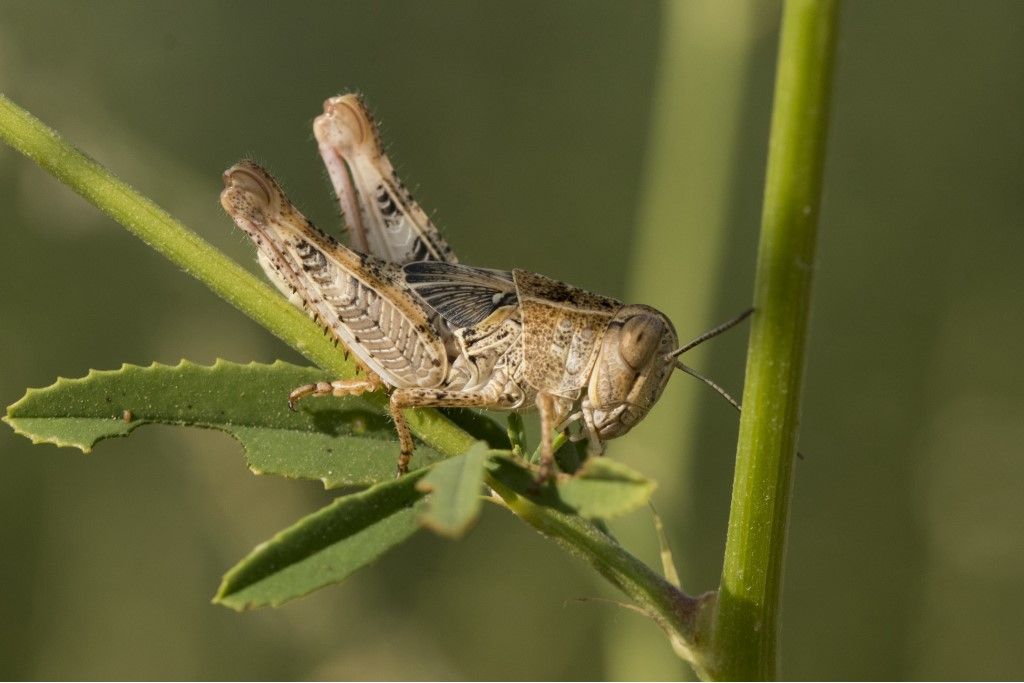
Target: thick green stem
[{"x": 746, "y": 621}]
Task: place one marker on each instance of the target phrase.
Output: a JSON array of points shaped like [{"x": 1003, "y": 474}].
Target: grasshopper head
[{"x": 631, "y": 371}]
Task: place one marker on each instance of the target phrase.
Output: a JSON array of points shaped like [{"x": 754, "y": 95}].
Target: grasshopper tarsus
[
  {"x": 297, "y": 393},
  {"x": 403, "y": 465}
]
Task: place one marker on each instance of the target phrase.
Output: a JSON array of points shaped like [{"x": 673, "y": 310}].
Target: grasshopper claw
[
  {"x": 304, "y": 390},
  {"x": 403, "y": 464}
]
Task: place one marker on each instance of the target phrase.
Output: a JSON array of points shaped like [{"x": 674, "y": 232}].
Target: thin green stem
[
  {"x": 158, "y": 229},
  {"x": 745, "y": 625},
  {"x": 196, "y": 256}
]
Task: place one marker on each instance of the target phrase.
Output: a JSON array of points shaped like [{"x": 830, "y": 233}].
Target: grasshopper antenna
[
  {"x": 710, "y": 334},
  {"x": 721, "y": 392}
]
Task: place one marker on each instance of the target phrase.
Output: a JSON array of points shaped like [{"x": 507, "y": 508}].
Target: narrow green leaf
[
  {"x": 602, "y": 488},
  {"x": 455, "y": 487},
  {"x": 324, "y": 547},
  {"x": 668, "y": 564},
  {"x": 340, "y": 441}
]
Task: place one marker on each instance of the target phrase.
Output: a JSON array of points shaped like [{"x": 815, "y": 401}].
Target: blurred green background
[{"x": 621, "y": 147}]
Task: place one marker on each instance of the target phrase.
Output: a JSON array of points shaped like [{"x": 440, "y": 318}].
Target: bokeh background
[{"x": 619, "y": 146}]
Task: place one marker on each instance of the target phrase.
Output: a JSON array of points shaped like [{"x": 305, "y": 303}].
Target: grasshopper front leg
[{"x": 553, "y": 410}]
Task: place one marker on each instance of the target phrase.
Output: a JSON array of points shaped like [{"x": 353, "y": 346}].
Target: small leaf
[
  {"x": 606, "y": 488},
  {"x": 455, "y": 487},
  {"x": 324, "y": 547},
  {"x": 602, "y": 488},
  {"x": 340, "y": 441}
]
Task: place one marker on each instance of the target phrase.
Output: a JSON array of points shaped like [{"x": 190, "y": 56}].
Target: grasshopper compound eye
[{"x": 639, "y": 340}]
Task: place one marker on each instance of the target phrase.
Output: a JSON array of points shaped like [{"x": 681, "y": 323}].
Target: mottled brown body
[{"x": 437, "y": 333}]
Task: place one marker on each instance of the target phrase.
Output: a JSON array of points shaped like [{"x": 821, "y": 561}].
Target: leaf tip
[
  {"x": 229, "y": 600},
  {"x": 12, "y": 422}
]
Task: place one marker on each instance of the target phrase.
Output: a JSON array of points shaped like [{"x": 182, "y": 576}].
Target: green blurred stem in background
[
  {"x": 685, "y": 214},
  {"x": 746, "y": 620}
]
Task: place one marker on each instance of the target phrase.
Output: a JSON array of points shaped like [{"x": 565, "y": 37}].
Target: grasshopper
[{"x": 433, "y": 332}]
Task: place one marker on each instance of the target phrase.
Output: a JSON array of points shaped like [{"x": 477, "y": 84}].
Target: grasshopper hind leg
[{"x": 382, "y": 217}]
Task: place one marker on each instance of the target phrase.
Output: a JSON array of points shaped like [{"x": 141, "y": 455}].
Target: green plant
[{"x": 731, "y": 633}]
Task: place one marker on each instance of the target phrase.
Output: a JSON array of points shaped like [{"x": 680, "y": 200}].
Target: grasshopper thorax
[{"x": 630, "y": 372}]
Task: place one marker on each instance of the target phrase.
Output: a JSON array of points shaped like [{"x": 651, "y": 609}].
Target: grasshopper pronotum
[{"x": 436, "y": 333}]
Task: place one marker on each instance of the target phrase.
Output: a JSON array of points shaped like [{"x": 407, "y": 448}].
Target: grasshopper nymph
[{"x": 434, "y": 332}]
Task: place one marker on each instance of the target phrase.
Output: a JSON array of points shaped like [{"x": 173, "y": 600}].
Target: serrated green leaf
[
  {"x": 454, "y": 487},
  {"x": 602, "y": 488},
  {"x": 340, "y": 441},
  {"x": 324, "y": 547}
]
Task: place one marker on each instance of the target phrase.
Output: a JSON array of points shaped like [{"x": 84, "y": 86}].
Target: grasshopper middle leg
[
  {"x": 437, "y": 398},
  {"x": 339, "y": 387}
]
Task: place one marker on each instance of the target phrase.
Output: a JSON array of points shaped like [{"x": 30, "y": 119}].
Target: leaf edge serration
[{"x": 91, "y": 374}]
